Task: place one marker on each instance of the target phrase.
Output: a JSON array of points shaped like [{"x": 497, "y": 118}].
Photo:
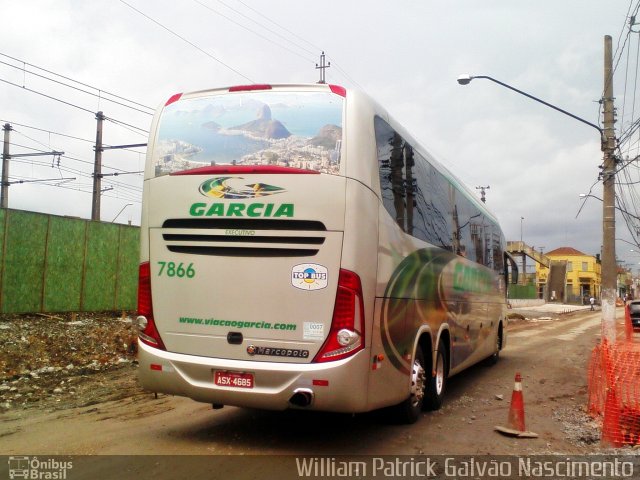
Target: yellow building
[{"x": 576, "y": 276}]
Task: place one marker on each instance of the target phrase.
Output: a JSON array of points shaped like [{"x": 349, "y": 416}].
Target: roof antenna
[
  {"x": 482, "y": 193},
  {"x": 322, "y": 68}
]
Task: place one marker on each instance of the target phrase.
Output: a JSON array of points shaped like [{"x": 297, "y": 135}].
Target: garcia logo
[
  {"x": 233, "y": 187},
  {"x": 309, "y": 276},
  {"x": 216, "y": 209}
]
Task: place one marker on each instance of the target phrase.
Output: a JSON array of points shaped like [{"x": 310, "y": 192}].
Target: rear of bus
[{"x": 250, "y": 291}]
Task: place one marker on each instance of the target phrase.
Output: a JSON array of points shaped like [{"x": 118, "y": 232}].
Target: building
[
  {"x": 625, "y": 283},
  {"x": 576, "y": 276}
]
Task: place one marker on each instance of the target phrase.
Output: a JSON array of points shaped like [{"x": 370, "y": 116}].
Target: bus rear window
[{"x": 288, "y": 129}]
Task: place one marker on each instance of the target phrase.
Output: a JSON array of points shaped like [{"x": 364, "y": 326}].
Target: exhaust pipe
[{"x": 301, "y": 398}]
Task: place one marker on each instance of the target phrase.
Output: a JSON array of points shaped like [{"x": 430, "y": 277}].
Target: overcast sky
[{"x": 406, "y": 54}]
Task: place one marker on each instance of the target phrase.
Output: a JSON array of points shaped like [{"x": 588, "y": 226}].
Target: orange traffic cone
[
  {"x": 515, "y": 420},
  {"x": 516, "y": 410}
]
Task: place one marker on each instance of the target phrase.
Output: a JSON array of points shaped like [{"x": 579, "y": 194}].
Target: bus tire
[
  {"x": 409, "y": 411},
  {"x": 437, "y": 381},
  {"x": 495, "y": 356}
]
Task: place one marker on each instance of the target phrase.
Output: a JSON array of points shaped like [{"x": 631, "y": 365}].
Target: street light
[
  {"x": 628, "y": 242},
  {"x": 607, "y": 145},
  {"x": 465, "y": 79},
  {"x": 121, "y": 210},
  {"x": 585, "y": 196}
]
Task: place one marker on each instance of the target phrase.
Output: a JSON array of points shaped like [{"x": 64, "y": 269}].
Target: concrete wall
[{"x": 521, "y": 303}]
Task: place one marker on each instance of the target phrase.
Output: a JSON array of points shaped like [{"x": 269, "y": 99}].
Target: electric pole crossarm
[
  {"x": 66, "y": 179},
  {"x": 18, "y": 155},
  {"x": 102, "y": 175},
  {"x": 114, "y": 147}
]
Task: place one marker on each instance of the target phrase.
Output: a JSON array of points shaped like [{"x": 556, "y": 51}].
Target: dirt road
[{"x": 551, "y": 355}]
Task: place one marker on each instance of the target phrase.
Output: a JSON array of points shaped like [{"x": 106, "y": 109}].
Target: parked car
[{"x": 634, "y": 310}]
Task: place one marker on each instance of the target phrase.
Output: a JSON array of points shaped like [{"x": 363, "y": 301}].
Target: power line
[
  {"x": 347, "y": 76},
  {"x": 615, "y": 68},
  {"x": 46, "y": 131},
  {"x": 62, "y": 156},
  {"x": 76, "y": 88},
  {"x": 51, "y": 132},
  {"x": 104, "y": 194},
  {"x": 47, "y": 96},
  {"x": 621, "y": 52},
  {"x": 187, "y": 41},
  {"x": 624, "y": 95},
  {"x": 74, "y": 105},
  {"x": 249, "y": 29},
  {"x": 76, "y": 81},
  {"x": 141, "y": 131},
  {"x": 271, "y": 30},
  {"x": 75, "y": 171},
  {"x": 317, "y": 49},
  {"x": 135, "y": 191}
]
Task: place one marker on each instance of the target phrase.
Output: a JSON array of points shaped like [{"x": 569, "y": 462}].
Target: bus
[{"x": 299, "y": 249}]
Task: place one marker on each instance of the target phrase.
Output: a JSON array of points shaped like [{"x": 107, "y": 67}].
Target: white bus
[{"x": 300, "y": 250}]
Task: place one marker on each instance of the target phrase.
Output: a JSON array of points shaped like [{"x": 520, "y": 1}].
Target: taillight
[
  {"x": 173, "y": 98},
  {"x": 147, "y": 331},
  {"x": 249, "y": 88},
  {"x": 338, "y": 90},
  {"x": 346, "y": 336}
]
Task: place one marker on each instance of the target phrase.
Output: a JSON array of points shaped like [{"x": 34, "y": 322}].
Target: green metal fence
[
  {"x": 57, "y": 264},
  {"x": 525, "y": 292}
]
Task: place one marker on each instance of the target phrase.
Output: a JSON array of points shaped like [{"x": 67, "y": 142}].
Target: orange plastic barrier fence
[{"x": 614, "y": 388}]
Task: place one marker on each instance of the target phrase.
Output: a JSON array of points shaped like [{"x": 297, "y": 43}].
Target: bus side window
[
  {"x": 390, "y": 163},
  {"x": 397, "y": 182}
]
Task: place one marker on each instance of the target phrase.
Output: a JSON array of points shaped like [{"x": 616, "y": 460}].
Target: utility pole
[
  {"x": 97, "y": 170},
  {"x": 4, "y": 187},
  {"x": 524, "y": 256},
  {"x": 322, "y": 67},
  {"x": 609, "y": 266}
]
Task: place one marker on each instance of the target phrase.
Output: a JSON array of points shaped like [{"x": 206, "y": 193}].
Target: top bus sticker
[{"x": 309, "y": 276}]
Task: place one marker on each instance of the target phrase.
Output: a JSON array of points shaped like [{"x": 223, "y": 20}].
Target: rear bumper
[{"x": 339, "y": 386}]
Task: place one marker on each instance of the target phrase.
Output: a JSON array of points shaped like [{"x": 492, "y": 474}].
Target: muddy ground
[
  {"x": 52, "y": 363},
  {"x": 66, "y": 360}
]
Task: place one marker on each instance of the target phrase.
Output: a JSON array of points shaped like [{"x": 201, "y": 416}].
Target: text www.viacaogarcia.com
[{"x": 214, "y": 322}]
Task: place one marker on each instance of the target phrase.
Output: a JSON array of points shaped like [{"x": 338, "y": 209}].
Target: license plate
[{"x": 233, "y": 379}]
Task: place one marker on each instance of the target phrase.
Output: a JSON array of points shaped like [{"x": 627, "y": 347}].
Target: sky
[{"x": 406, "y": 54}]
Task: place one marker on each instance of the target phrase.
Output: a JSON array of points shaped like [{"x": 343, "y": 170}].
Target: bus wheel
[
  {"x": 493, "y": 359},
  {"x": 409, "y": 410},
  {"x": 436, "y": 384}
]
